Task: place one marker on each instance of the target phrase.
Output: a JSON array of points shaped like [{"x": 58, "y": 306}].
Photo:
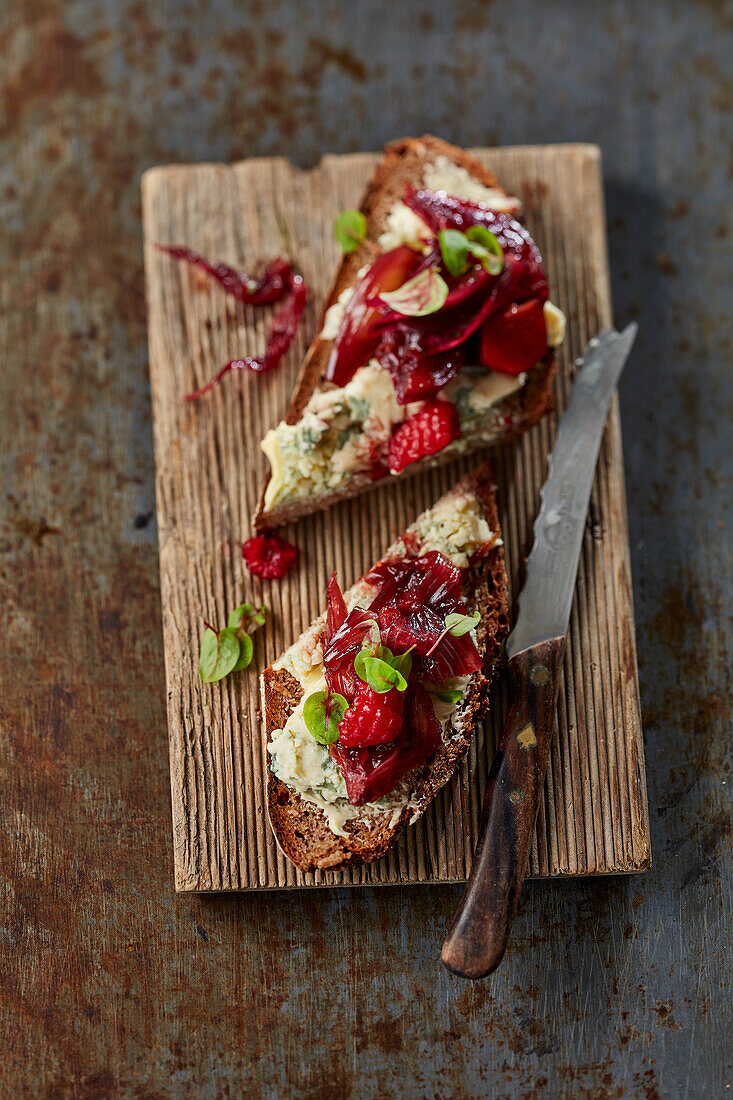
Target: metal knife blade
[
  {"x": 552, "y": 566},
  {"x": 479, "y": 933}
]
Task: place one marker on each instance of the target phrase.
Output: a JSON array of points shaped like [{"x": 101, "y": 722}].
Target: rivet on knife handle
[{"x": 478, "y": 936}]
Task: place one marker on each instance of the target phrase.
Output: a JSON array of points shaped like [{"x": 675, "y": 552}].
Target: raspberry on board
[{"x": 427, "y": 431}]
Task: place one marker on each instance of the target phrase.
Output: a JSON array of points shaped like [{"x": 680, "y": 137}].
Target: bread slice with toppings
[
  {"x": 334, "y": 440},
  {"x": 314, "y": 823}
]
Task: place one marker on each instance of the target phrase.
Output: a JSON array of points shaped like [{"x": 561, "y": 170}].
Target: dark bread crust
[
  {"x": 300, "y": 828},
  {"x": 402, "y": 163}
]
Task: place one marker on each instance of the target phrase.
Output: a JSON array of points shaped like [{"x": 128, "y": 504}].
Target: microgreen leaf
[
  {"x": 230, "y": 649},
  {"x": 247, "y": 618},
  {"x": 380, "y": 675},
  {"x": 349, "y": 229},
  {"x": 451, "y": 695},
  {"x": 478, "y": 242},
  {"x": 458, "y": 625},
  {"x": 239, "y": 615},
  {"x": 402, "y": 663},
  {"x": 322, "y": 712},
  {"x": 486, "y": 248},
  {"x": 246, "y": 649},
  {"x": 423, "y": 294},
  {"x": 219, "y": 654},
  {"x": 359, "y": 660},
  {"x": 454, "y": 250},
  {"x": 208, "y": 653}
]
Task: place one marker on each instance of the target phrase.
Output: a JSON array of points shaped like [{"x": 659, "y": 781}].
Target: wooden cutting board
[{"x": 209, "y": 471}]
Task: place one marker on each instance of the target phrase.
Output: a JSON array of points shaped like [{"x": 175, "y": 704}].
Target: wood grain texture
[{"x": 593, "y": 818}]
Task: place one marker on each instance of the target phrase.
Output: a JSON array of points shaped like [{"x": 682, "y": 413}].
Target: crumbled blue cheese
[
  {"x": 404, "y": 226},
  {"x": 339, "y": 434},
  {"x": 448, "y": 714},
  {"x": 335, "y": 314},
  {"x": 443, "y": 175},
  {"x": 305, "y": 765},
  {"x": 473, "y": 392},
  {"x": 555, "y": 324},
  {"x": 455, "y": 527}
]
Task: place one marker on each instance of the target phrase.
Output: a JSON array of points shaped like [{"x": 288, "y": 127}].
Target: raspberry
[
  {"x": 373, "y": 719},
  {"x": 429, "y": 430},
  {"x": 269, "y": 557}
]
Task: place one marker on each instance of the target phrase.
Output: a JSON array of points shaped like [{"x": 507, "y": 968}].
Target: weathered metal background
[{"x": 109, "y": 984}]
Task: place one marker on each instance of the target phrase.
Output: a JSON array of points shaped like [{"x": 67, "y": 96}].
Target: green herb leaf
[
  {"x": 247, "y": 618},
  {"x": 349, "y": 229},
  {"x": 373, "y": 639},
  {"x": 454, "y": 250},
  {"x": 423, "y": 294},
  {"x": 364, "y": 653},
  {"x": 402, "y": 663},
  {"x": 208, "y": 653},
  {"x": 219, "y": 654},
  {"x": 246, "y": 649},
  {"x": 322, "y": 712},
  {"x": 478, "y": 242},
  {"x": 239, "y": 615},
  {"x": 380, "y": 675},
  {"x": 451, "y": 695},
  {"x": 479, "y": 234},
  {"x": 458, "y": 625},
  {"x": 486, "y": 248}
]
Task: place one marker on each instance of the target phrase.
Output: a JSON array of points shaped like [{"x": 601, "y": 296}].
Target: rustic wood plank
[{"x": 594, "y": 816}]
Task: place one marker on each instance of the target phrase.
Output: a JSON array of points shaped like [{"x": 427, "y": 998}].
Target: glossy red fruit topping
[
  {"x": 413, "y": 600},
  {"x": 372, "y": 719},
  {"x": 429, "y": 430},
  {"x": 358, "y": 334},
  {"x": 515, "y": 339},
  {"x": 336, "y": 608},
  {"x": 269, "y": 557},
  {"x": 277, "y": 281},
  {"x": 384, "y": 735},
  {"x": 441, "y": 211},
  {"x": 284, "y": 326},
  {"x": 340, "y": 650},
  {"x": 407, "y": 582},
  {"x": 424, "y": 352},
  {"x": 372, "y": 772},
  {"x": 416, "y": 376},
  {"x": 270, "y": 286}
]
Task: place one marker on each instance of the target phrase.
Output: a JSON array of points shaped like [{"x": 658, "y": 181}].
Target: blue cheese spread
[
  {"x": 456, "y": 527},
  {"x": 343, "y": 432}
]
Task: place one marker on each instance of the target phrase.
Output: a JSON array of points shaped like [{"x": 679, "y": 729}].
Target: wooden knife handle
[{"x": 478, "y": 935}]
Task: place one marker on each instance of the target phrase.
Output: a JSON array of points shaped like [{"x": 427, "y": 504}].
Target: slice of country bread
[
  {"x": 404, "y": 162},
  {"x": 300, "y": 827}
]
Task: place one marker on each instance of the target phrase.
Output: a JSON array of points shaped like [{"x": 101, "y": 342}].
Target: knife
[{"x": 478, "y": 935}]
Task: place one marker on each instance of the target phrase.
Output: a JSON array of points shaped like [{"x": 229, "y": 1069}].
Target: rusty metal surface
[{"x": 111, "y": 985}]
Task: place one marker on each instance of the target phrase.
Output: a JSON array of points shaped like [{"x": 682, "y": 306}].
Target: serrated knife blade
[
  {"x": 478, "y": 936},
  {"x": 552, "y": 566}
]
